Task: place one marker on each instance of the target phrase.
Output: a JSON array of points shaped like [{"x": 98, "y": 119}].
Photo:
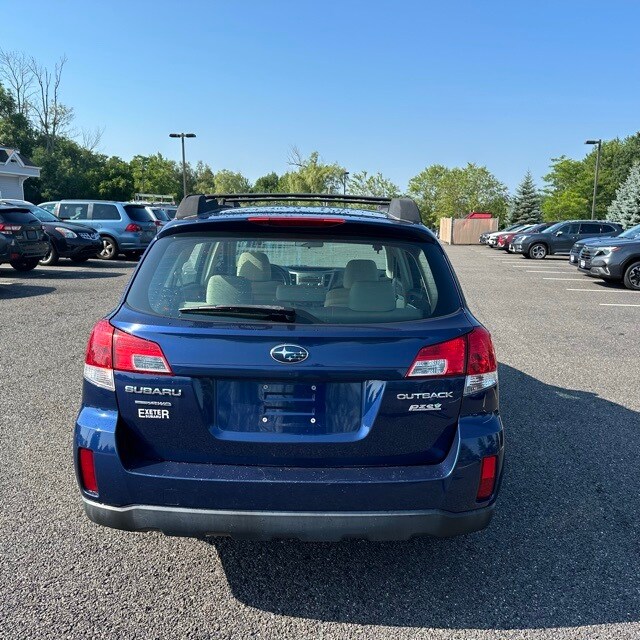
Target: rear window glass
[
  {"x": 22, "y": 216},
  {"x": 161, "y": 214},
  {"x": 317, "y": 280},
  {"x": 138, "y": 214}
]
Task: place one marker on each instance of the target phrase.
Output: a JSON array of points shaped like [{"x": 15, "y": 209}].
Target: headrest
[
  {"x": 254, "y": 266},
  {"x": 372, "y": 296},
  {"x": 359, "y": 271},
  {"x": 228, "y": 290}
]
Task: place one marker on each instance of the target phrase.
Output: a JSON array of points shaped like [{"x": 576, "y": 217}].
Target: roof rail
[{"x": 199, "y": 204}]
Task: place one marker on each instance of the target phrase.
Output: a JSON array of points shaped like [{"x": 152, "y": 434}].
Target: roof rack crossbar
[{"x": 199, "y": 204}]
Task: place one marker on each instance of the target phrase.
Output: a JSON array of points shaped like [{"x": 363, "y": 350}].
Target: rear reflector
[
  {"x": 488, "y": 471},
  {"x": 87, "y": 470},
  {"x": 111, "y": 349},
  {"x": 296, "y": 221},
  {"x": 471, "y": 355}
]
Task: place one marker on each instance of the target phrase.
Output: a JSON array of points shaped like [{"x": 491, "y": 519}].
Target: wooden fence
[{"x": 465, "y": 230}]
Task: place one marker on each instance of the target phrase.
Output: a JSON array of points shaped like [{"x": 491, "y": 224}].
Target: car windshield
[
  {"x": 212, "y": 277},
  {"x": 633, "y": 232}
]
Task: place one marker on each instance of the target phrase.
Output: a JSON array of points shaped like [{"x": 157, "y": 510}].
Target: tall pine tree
[
  {"x": 625, "y": 208},
  {"x": 526, "y": 203}
]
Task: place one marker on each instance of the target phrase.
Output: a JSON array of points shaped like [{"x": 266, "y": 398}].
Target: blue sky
[{"x": 382, "y": 86}]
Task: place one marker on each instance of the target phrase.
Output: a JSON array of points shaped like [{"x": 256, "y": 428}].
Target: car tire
[
  {"x": 537, "y": 251},
  {"x": 25, "y": 264},
  {"x": 52, "y": 258},
  {"x": 79, "y": 260},
  {"x": 632, "y": 276},
  {"x": 109, "y": 249}
]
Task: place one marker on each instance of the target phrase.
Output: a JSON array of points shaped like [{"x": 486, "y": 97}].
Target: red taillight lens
[
  {"x": 296, "y": 221},
  {"x": 158, "y": 223},
  {"x": 444, "y": 359},
  {"x": 133, "y": 227},
  {"x": 482, "y": 357},
  {"x": 471, "y": 355},
  {"x": 100, "y": 345},
  {"x": 9, "y": 228},
  {"x": 134, "y": 354},
  {"x": 110, "y": 349},
  {"x": 87, "y": 470},
  {"x": 98, "y": 363},
  {"x": 488, "y": 470}
]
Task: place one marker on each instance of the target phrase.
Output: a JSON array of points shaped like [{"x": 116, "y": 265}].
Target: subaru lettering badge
[{"x": 289, "y": 353}]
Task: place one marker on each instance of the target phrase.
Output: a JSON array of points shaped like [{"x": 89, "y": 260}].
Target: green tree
[
  {"x": 625, "y": 208},
  {"x": 267, "y": 183},
  {"x": 311, "y": 175},
  {"x": 526, "y": 204},
  {"x": 15, "y": 129},
  {"x": 363, "y": 184},
  {"x": 231, "y": 182},
  {"x": 115, "y": 179},
  {"x": 569, "y": 189},
  {"x": 204, "y": 179},
  {"x": 156, "y": 174},
  {"x": 443, "y": 192}
]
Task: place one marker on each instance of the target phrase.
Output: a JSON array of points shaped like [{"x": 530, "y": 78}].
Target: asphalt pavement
[{"x": 561, "y": 558}]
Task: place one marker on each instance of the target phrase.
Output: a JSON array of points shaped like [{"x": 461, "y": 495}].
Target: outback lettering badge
[
  {"x": 153, "y": 391},
  {"x": 440, "y": 395}
]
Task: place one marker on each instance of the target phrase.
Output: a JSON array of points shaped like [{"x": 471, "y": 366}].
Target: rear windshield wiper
[{"x": 259, "y": 311}]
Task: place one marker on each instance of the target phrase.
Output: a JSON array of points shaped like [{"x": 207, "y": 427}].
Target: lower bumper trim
[{"x": 307, "y": 526}]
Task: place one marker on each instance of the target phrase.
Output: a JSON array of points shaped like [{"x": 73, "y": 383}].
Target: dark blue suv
[{"x": 291, "y": 371}]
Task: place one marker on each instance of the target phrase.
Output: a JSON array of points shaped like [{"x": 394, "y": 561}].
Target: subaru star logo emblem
[{"x": 289, "y": 353}]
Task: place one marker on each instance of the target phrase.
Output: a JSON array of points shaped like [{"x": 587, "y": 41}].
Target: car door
[{"x": 566, "y": 237}]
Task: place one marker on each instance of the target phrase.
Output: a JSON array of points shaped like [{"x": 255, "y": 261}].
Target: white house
[{"x": 15, "y": 168}]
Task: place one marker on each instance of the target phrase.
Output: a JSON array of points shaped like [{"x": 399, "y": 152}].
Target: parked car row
[
  {"x": 76, "y": 229},
  {"x": 598, "y": 247}
]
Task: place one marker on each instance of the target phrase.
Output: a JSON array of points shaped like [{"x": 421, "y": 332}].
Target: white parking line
[
  {"x": 603, "y": 290},
  {"x": 566, "y": 279},
  {"x": 538, "y": 266},
  {"x": 537, "y": 271},
  {"x": 614, "y": 304}
]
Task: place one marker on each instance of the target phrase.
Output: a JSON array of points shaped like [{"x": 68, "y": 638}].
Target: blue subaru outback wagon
[{"x": 293, "y": 371}]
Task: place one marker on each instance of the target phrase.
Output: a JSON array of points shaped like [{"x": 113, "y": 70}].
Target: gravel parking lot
[{"x": 560, "y": 560}]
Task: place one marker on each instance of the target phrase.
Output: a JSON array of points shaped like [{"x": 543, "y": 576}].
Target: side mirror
[{"x": 559, "y": 233}]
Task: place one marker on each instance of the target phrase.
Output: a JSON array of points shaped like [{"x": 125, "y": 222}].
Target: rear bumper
[{"x": 307, "y": 526}]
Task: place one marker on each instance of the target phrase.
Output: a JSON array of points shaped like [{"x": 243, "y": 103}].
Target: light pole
[
  {"x": 345, "y": 175},
  {"x": 184, "y": 163},
  {"x": 595, "y": 179}
]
